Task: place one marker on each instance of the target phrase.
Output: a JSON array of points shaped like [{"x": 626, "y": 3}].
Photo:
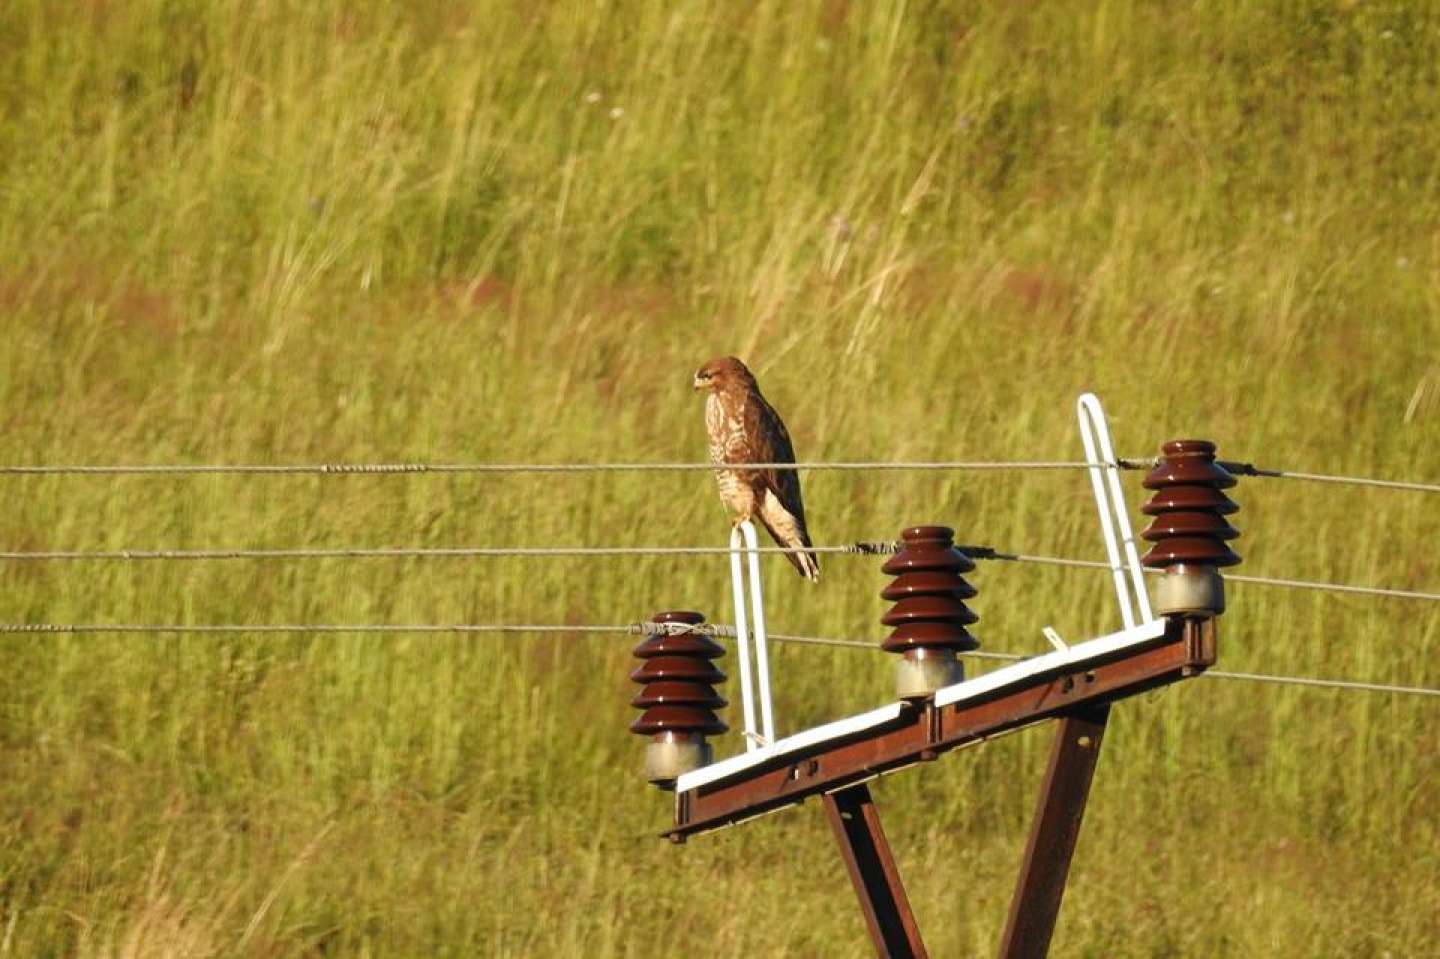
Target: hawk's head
[{"x": 723, "y": 373}]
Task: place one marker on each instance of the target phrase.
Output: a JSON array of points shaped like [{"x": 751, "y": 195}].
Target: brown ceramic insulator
[
  {"x": 677, "y": 677},
  {"x": 929, "y": 593},
  {"x": 1189, "y": 526}
]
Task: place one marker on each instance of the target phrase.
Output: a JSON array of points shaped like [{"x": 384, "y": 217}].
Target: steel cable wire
[
  {"x": 863, "y": 548},
  {"x": 634, "y": 629},
  {"x": 354, "y": 469},
  {"x": 351, "y": 469}
]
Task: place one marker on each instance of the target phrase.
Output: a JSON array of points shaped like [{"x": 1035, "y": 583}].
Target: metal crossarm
[{"x": 841, "y": 754}]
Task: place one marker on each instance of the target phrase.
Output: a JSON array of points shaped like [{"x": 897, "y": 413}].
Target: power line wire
[
  {"x": 389, "y": 552},
  {"x": 1238, "y": 468},
  {"x": 1324, "y": 683},
  {"x": 729, "y": 631},
  {"x": 858, "y": 548},
  {"x": 1336, "y": 587},
  {"x": 1250, "y": 469},
  {"x": 349, "y": 469},
  {"x": 297, "y": 628},
  {"x": 710, "y": 629},
  {"x": 1316, "y": 585}
]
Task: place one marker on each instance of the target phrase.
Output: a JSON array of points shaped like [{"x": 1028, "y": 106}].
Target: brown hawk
[{"x": 744, "y": 428}]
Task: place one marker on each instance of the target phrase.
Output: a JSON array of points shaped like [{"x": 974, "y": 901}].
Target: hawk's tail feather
[
  {"x": 806, "y": 563},
  {"x": 792, "y": 535}
]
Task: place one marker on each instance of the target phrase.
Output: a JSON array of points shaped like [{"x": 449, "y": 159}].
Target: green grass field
[{"x": 282, "y": 232}]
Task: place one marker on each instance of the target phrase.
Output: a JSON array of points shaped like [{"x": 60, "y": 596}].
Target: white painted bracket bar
[
  {"x": 750, "y": 633},
  {"x": 1071, "y": 657},
  {"x": 1114, "y": 517}
]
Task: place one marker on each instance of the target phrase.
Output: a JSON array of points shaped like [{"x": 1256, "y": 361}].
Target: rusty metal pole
[
  {"x": 1190, "y": 533},
  {"x": 856, "y": 824},
  {"x": 677, "y": 676},
  {"x": 1051, "y": 845}
]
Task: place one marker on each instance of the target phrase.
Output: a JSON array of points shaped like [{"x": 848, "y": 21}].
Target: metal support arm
[
  {"x": 1053, "y": 835},
  {"x": 856, "y": 823}
]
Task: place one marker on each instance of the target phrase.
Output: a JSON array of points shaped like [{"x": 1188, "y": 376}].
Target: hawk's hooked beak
[{"x": 697, "y": 383}]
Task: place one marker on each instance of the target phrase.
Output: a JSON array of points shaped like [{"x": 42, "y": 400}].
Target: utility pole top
[{"x": 937, "y": 710}]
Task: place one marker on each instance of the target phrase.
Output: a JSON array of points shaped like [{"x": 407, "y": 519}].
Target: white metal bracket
[
  {"x": 1114, "y": 519},
  {"x": 744, "y": 541}
]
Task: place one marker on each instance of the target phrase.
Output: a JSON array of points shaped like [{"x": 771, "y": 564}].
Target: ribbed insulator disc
[
  {"x": 928, "y": 582},
  {"x": 929, "y": 593},
  {"x": 1191, "y": 550},
  {"x": 941, "y": 608},
  {"x": 678, "y": 693},
  {"x": 683, "y": 644},
  {"x": 928, "y": 548},
  {"x": 685, "y": 668},
  {"x": 677, "y": 676},
  {"x": 1189, "y": 509},
  {"x": 1188, "y": 463},
  {"x": 929, "y": 634},
  {"x": 1166, "y": 525},
  {"x": 678, "y": 719},
  {"x": 1172, "y": 498}
]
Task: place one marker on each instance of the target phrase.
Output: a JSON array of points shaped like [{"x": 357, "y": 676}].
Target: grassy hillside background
[{"x": 297, "y": 232}]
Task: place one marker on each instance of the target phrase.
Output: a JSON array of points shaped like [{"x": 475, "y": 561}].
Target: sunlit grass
[{"x": 330, "y": 232}]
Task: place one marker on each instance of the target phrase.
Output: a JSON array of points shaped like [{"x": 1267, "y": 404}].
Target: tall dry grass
[{"x": 280, "y": 232}]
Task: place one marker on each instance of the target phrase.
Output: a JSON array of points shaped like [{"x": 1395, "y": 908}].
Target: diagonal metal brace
[
  {"x": 856, "y": 823},
  {"x": 1051, "y": 845}
]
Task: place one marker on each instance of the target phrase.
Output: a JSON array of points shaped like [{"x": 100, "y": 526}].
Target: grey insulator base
[
  {"x": 922, "y": 671},
  {"x": 667, "y": 758},
  {"x": 1189, "y": 589}
]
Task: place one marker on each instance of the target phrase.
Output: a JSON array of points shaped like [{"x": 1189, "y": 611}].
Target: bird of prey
[{"x": 744, "y": 428}]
